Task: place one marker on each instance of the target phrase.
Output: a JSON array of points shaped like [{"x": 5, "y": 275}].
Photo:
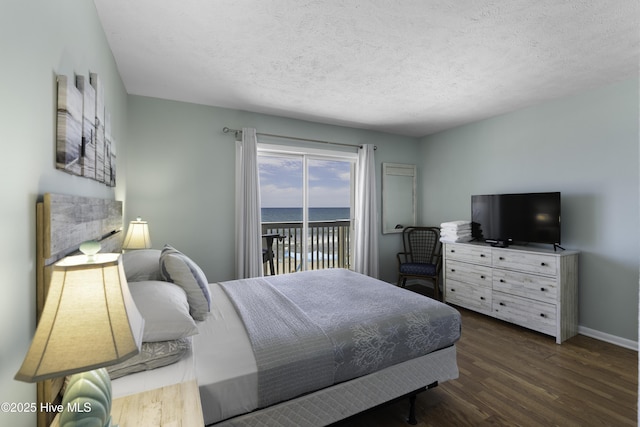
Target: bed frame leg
[{"x": 411, "y": 419}]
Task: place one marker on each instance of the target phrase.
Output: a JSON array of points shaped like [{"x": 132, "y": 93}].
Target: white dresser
[{"x": 534, "y": 288}]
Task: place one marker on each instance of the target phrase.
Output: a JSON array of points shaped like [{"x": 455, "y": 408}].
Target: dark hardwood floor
[{"x": 510, "y": 376}]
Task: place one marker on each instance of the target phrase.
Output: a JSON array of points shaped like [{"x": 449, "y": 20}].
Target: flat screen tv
[{"x": 501, "y": 219}]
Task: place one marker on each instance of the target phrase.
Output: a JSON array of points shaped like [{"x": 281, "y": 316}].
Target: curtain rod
[{"x": 236, "y": 131}]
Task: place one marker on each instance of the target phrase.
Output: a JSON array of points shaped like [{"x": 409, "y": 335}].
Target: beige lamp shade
[
  {"x": 137, "y": 235},
  {"x": 89, "y": 320}
]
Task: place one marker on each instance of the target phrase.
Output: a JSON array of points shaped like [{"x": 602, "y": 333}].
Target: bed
[{"x": 288, "y": 350}]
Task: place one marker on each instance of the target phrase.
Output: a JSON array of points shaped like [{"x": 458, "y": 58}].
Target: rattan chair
[{"x": 422, "y": 257}]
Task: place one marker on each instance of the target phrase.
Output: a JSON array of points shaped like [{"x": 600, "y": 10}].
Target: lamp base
[{"x": 87, "y": 400}]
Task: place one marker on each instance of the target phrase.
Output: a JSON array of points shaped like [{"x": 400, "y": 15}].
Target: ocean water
[{"x": 295, "y": 214}]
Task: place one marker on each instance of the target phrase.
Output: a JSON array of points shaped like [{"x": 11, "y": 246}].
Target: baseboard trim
[{"x": 622, "y": 342}]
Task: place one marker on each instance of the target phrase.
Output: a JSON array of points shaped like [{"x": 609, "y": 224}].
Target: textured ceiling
[{"x": 405, "y": 67}]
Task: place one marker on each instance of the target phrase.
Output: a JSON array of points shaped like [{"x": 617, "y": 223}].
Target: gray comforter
[{"x": 313, "y": 329}]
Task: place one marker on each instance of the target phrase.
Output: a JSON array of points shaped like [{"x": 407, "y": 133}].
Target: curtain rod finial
[{"x": 228, "y": 129}]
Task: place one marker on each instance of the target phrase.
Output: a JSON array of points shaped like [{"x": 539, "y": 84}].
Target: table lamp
[
  {"x": 89, "y": 321},
  {"x": 137, "y": 235}
]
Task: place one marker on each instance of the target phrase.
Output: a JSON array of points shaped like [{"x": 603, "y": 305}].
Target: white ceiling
[{"x": 409, "y": 67}]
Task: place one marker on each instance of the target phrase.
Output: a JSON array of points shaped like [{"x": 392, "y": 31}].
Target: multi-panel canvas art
[{"x": 84, "y": 145}]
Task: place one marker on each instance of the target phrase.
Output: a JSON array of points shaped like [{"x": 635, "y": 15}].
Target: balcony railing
[{"x": 328, "y": 245}]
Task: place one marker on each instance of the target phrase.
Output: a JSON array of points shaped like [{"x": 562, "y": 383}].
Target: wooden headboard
[{"x": 63, "y": 222}]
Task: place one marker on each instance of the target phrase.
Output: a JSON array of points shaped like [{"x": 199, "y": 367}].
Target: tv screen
[{"x": 519, "y": 218}]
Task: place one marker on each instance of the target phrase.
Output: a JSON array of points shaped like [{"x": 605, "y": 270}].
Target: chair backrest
[{"x": 422, "y": 244}]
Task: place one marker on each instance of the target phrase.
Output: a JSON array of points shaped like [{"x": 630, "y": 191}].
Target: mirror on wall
[{"x": 398, "y": 197}]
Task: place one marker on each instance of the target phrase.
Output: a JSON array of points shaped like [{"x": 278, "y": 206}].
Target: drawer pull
[
  {"x": 453, "y": 270},
  {"x": 543, "y": 264},
  {"x": 502, "y": 304},
  {"x": 481, "y": 255},
  {"x": 452, "y": 290},
  {"x": 482, "y": 298},
  {"x": 502, "y": 281},
  {"x": 543, "y": 315},
  {"x": 542, "y": 289},
  {"x": 482, "y": 277},
  {"x": 453, "y": 251},
  {"x": 501, "y": 258}
]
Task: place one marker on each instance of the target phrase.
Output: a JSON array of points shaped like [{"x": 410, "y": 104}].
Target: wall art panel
[{"x": 69, "y": 127}]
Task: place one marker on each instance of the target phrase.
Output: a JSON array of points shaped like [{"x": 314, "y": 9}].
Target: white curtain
[
  {"x": 366, "y": 216},
  {"x": 248, "y": 227}
]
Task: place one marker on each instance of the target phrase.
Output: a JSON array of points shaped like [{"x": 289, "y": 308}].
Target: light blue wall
[
  {"x": 585, "y": 146},
  {"x": 181, "y": 172},
  {"x": 38, "y": 40}
]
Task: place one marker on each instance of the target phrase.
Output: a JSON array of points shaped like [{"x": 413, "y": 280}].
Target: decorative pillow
[
  {"x": 142, "y": 264},
  {"x": 177, "y": 268},
  {"x": 165, "y": 310},
  {"x": 152, "y": 355}
]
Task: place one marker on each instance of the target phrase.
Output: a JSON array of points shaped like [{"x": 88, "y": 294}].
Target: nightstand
[{"x": 175, "y": 405}]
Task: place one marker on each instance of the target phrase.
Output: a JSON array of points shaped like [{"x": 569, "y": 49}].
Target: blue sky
[{"x": 281, "y": 182}]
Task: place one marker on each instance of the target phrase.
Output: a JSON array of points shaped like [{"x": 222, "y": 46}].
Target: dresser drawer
[
  {"x": 540, "y": 288},
  {"x": 525, "y": 261},
  {"x": 469, "y": 253},
  {"x": 535, "y": 315},
  {"x": 477, "y": 298},
  {"x": 470, "y": 273}
]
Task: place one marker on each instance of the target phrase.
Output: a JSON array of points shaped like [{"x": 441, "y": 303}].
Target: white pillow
[
  {"x": 165, "y": 310},
  {"x": 178, "y": 268},
  {"x": 141, "y": 264}
]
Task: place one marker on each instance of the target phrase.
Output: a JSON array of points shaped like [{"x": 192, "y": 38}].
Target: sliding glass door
[{"x": 307, "y": 200}]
